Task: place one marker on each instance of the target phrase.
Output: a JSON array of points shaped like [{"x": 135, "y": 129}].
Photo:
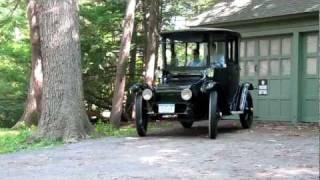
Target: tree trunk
[
  {"x": 132, "y": 75},
  {"x": 145, "y": 10},
  {"x": 63, "y": 113},
  {"x": 153, "y": 41},
  {"x": 120, "y": 81},
  {"x": 32, "y": 109}
]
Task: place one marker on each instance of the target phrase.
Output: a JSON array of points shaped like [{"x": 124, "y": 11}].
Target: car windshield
[{"x": 192, "y": 56}]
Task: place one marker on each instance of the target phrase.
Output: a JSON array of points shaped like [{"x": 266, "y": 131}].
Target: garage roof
[{"x": 225, "y": 11}]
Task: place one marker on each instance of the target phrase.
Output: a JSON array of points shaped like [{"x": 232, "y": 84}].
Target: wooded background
[{"x": 102, "y": 25}]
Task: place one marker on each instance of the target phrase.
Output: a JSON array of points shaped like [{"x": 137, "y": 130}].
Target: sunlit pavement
[{"x": 267, "y": 151}]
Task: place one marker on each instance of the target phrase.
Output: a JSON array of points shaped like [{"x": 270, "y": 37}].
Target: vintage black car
[{"x": 199, "y": 80}]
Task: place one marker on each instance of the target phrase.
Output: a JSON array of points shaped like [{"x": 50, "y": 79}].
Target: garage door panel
[
  {"x": 286, "y": 88},
  {"x": 309, "y": 74},
  {"x": 263, "y": 108},
  {"x": 310, "y": 88},
  {"x": 275, "y": 108},
  {"x": 269, "y": 58},
  {"x": 285, "y": 108},
  {"x": 311, "y": 108},
  {"x": 275, "y": 86}
]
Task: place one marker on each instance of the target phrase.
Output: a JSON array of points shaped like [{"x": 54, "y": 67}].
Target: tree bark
[
  {"x": 63, "y": 113},
  {"x": 132, "y": 74},
  {"x": 32, "y": 109},
  {"x": 120, "y": 82},
  {"x": 145, "y": 10},
  {"x": 153, "y": 41}
]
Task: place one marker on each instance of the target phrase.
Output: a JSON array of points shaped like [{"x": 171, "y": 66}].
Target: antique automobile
[{"x": 198, "y": 80}]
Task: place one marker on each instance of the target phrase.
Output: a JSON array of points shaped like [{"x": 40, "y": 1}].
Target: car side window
[{"x": 218, "y": 55}]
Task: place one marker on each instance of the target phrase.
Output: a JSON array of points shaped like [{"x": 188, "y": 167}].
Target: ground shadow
[{"x": 200, "y": 129}]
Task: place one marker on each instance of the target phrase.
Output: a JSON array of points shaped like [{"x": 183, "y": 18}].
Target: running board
[{"x": 236, "y": 112}]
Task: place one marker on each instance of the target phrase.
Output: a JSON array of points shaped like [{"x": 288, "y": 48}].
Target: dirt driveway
[{"x": 268, "y": 151}]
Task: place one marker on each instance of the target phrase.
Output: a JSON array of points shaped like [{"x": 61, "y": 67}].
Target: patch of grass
[
  {"x": 15, "y": 140},
  {"x": 106, "y": 129}
]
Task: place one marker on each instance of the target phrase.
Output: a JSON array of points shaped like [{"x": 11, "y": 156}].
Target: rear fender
[{"x": 245, "y": 88}]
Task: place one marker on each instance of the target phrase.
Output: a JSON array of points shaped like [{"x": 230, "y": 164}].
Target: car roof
[{"x": 200, "y": 34}]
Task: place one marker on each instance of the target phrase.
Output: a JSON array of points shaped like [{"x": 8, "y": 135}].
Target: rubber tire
[
  {"x": 141, "y": 117},
  {"x": 186, "y": 125},
  {"x": 213, "y": 118},
  {"x": 246, "y": 118}
]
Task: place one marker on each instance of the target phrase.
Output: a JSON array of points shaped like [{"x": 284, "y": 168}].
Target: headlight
[
  {"x": 147, "y": 94},
  {"x": 210, "y": 72},
  {"x": 186, "y": 94}
]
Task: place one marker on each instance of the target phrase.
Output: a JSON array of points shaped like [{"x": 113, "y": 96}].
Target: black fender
[
  {"x": 138, "y": 88},
  {"x": 208, "y": 86},
  {"x": 240, "y": 98},
  {"x": 245, "y": 88}
]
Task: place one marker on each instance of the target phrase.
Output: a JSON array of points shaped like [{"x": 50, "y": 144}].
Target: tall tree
[
  {"x": 120, "y": 81},
  {"x": 152, "y": 40},
  {"x": 63, "y": 113},
  {"x": 32, "y": 109}
]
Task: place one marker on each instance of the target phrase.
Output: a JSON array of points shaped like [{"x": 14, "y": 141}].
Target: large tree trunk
[
  {"x": 120, "y": 82},
  {"x": 153, "y": 41},
  {"x": 63, "y": 113},
  {"x": 32, "y": 109}
]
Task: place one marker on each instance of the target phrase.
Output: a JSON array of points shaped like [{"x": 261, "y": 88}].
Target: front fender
[
  {"x": 208, "y": 86},
  {"x": 138, "y": 87}
]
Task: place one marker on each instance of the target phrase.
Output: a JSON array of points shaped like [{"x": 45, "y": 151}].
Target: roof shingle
[{"x": 240, "y": 10}]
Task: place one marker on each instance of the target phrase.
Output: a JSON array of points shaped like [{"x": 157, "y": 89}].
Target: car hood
[{"x": 171, "y": 88}]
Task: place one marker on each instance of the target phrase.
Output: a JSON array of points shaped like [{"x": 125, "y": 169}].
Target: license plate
[{"x": 166, "y": 108}]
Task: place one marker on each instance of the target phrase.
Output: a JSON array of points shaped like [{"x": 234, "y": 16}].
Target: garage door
[
  {"x": 269, "y": 58},
  {"x": 310, "y": 79}
]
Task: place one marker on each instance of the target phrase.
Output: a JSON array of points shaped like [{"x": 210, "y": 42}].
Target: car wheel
[
  {"x": 141, "y": 116},
  {"x": 247, "y": 117},
  {"x": 186, "y": 125},
  {"x": 213, "y": 118}
]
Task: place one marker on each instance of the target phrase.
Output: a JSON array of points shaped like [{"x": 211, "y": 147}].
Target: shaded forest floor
[{"x": 266, "y": 151}]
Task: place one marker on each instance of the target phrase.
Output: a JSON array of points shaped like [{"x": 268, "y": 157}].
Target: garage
[{"x": 279, "y": 54}]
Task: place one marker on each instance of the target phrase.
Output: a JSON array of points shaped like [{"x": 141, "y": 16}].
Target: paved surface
[{"x": 265, "y": 152}]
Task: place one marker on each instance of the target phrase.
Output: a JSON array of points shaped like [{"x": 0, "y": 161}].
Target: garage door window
[
  {"x": 250, "y": 48},
  {"x": 286, "y": 46},
  {"x": 311, "y": 66},
  {"x": 264, "y": 47},
  {"x": 275, "y": 67},
  {"x": 275, "y": 47},
  {"x": 312, "y": 44},
  {"x": 264, "y": 68},
  {"x": 286, "y": 67}
]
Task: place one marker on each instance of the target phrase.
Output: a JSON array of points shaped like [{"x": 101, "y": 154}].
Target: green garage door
[
  {"x": 309, "y": 79},
  {"x": 269, "y": 58}
]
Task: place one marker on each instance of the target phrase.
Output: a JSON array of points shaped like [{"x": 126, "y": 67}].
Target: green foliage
[
  {"x": 14, "y": 60},
  {"x": 15, "y": 140},
  {"x": 100, "y": 40},
  {"x": 101, "y": 30}
]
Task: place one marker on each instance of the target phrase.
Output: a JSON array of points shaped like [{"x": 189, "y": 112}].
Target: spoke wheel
[
  {"x": 246, "y": 118},
  {"x": 141, "y": 116},
  {"x": 213, "y": 118}
]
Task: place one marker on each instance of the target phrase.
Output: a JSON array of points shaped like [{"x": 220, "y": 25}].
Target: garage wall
[{"x": 275, "y": 50}]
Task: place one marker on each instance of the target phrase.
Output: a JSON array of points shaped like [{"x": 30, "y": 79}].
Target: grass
[
  {"x": 16, "y": 140},
  {"x": 106, "y": 129}
]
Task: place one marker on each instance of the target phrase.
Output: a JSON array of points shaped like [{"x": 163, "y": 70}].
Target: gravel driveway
[{"x": 268, "y": 151}]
